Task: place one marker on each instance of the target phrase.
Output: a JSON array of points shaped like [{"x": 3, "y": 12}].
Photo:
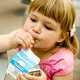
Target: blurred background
[{"x": 12, "y": 17}]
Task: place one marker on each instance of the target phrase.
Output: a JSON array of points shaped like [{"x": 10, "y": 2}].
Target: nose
[{"x": 37, "y": 28}]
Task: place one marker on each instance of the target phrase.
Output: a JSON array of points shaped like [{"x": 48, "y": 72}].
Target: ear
[{"x": 62, "y": 37}]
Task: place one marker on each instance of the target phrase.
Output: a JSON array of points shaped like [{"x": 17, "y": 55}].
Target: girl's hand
[
  {"x": 21, "y": 38},
  {"x": 32, "y": 77}
]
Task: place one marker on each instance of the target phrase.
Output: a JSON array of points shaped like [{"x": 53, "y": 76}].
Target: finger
[
  {"x": 28, "y": 40},
  {"x": 29, "y": 43},
  {"x": 43, "y": 75},
  {"x": 30, "y": 77},
  {"x": 21, "y": 77},
  {"x": 28, "y": 35},
  {"x": 31, "y": 38},
  {"x": 21, "y": 42}
]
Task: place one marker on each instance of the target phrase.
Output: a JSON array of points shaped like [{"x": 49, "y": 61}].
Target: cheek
[{"x": 50, "y": 39}]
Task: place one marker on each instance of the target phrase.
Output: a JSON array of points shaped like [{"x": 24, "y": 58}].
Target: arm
[
  {"x": 4, "y": 43},
  {"x": 14, "y": 39}
]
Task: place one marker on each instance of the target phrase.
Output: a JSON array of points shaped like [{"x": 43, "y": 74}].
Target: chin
[{"x": 40, "y": 48}]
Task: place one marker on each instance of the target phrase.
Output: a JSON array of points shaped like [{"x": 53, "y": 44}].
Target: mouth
[{"x": 35, "y": 40}]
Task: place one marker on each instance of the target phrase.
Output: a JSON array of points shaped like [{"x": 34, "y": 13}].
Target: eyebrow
[
  {"x": 33, "y": 15},
  {"x": 47, "y": 22}
]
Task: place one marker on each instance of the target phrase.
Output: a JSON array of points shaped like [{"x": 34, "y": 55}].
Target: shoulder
[
  {"x": 64, "y": 55},
  {"x": 61, "y": 63},
  {"x": 66, "y": 61},
  {"x": 67, "y": 56}
]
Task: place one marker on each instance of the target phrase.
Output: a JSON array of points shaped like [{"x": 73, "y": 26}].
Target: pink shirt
[{"x": 61, "y": 63}]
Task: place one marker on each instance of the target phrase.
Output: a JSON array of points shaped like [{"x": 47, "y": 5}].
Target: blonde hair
[{"x": 63, "y": 12}]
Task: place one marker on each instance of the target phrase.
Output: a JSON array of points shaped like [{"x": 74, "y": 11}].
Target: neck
[{"x": 44, "y": 54}]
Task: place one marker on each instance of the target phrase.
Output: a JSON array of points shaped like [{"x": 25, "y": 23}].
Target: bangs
[{"x": 49, "y": 8}]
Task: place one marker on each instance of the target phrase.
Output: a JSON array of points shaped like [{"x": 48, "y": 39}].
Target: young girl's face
[{"x": 45, "y": 31}]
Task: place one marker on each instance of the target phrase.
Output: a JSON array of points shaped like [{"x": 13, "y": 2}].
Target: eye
[
  {"x": 33, "y": 19},
  {"x": 47, "y": 27}
]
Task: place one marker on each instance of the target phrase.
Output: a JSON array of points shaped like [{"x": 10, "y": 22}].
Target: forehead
[{"x": 43, "y": 18}]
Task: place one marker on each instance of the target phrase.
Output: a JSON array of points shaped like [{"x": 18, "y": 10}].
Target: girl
[{"x": 51, "y": 24}]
